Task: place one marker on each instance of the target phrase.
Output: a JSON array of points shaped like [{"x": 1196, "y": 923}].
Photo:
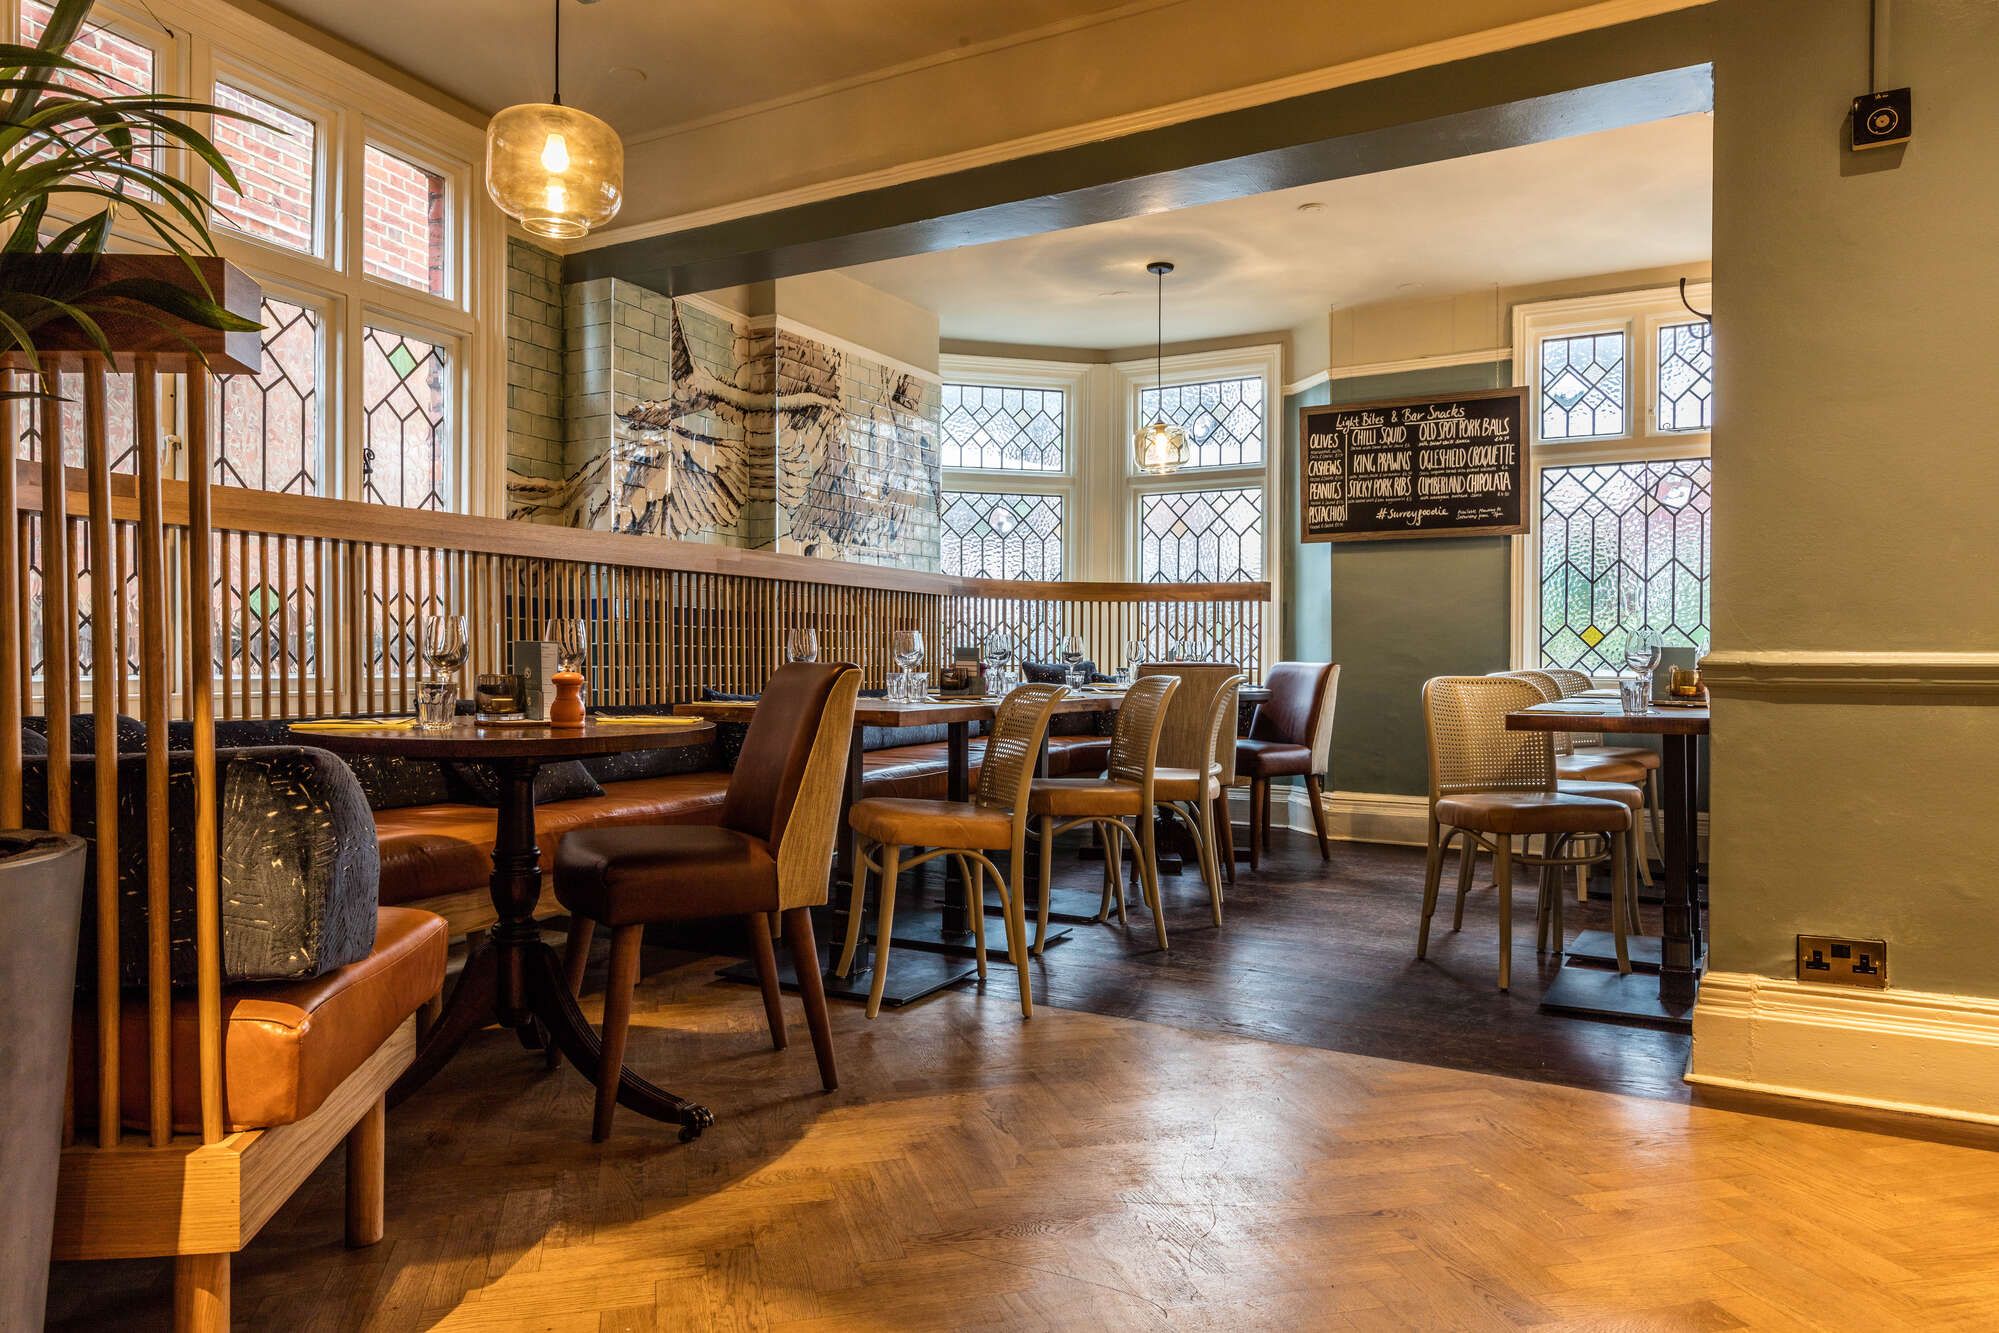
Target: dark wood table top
[
  {"x": 470, "y": 742},
  {"x": 1607, "y": 715}
]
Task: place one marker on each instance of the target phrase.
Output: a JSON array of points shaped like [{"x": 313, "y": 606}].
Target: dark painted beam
[{"x": 1592, "y": 81}]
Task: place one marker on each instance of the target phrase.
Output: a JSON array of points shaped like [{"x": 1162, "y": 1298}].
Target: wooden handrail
[{"x": 309, "y": 516}]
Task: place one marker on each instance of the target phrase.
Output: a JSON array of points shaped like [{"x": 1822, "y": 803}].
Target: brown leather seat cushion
[
  {"x": 912, "y": 770},
  {"x": 1634, "y": 754},
  {"x": 1184, "y": 784},
  {"x": 905, "y": 822},
  {"x": 1623, "y": 792},
  {"x": 1532, "y": 812},
  {"x": 427, "y": 850},
  {"x": 286, "y": 1045},
  {"x": 1071, "y": 756},
  {"x": 1584, "y": 768},
  {"x": 1084, "y": 796},
  {"x": 1271, "y": 759},
  {"x": 622, "y": 876}
]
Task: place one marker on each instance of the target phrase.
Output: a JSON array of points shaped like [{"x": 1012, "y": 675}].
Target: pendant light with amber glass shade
[
  {"x": 1160, "y": 447},
  {"x": 557, "y": 170}
]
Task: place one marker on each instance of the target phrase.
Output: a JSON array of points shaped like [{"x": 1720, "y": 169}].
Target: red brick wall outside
[
  {"x": 100, "y": 48},
  {"x": 274, "y": 165},
  {"x": 403, "y": 222}
]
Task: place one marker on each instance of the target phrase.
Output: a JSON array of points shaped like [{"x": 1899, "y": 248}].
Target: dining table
[
  {"x": 511, "y": 976},
  {"x": 1668, "y": 998}
]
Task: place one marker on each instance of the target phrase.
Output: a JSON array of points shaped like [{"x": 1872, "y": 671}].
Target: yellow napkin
[
  {"x": 357, "y": 724},
  {"x": 664, "y": 720}
]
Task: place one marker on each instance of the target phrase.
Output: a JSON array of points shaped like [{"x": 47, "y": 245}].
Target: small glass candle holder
[
  {"x": 1634, "y": 692},
  {"x": 499, "y": 698},
  {"x": 436, "y": 705}
]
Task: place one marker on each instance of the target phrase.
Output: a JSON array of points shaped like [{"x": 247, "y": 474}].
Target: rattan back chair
[
  {"x": 994, "y": 820},
  {"x": 1197, "y": 756},
  {"x": 1492, "y": 785},
  {"x": 1582, "y": 758},
  {"x": 1126, "y": 791},
  {"x": 1591, "y": 745}
]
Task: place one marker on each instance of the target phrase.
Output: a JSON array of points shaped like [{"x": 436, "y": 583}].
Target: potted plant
[
  {"x": 78, "y": 152},
  {"x": 75, "y": 140}
]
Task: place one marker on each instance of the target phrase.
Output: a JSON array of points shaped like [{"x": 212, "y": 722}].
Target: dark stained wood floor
[{"x": 1325, "y": 956}]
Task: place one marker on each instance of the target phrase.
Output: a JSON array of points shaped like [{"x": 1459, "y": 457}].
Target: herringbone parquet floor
[{"x": 1087, "y": 1172}]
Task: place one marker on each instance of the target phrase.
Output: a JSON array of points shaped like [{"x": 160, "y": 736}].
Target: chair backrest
[
  {"x": 1199, "y": 709},
  {"x": 778, "y": 748},
  {"x": 805, "y": 852},
  {"x": 1299, "y": 710},
  {"x": 1014, "y": 745},
  {"x": 1550, "y": 686},
  {"x": 1572, "y": 682},
  {"x": 1464, "y": 719},
  {"x": 1140, "y": 718}
]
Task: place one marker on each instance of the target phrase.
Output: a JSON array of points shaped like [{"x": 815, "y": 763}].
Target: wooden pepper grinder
[{"x": 566, "y": 709}]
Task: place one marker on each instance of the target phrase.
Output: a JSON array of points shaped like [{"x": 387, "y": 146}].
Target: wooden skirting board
[
  {"x": 1910, "y": 1051},
  {"x": 136, "y": 1202},
  {"x": 1361, "y": 816}
]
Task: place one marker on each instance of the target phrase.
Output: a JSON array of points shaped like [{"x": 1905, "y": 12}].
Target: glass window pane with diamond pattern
[
  {"x": 1003, "y": 428},
  {"x": 270, "y": 421},
  {"x": 1208, "y": 536},
  {"x": 1686, "y": 377},
  {"x": 990, "y": 536},
  {"x": 1582, "y": 386},
  {"x": 1623, "y": 546},
  {"x": 120, "y": 422},
  {"x": 1223, "y": 419},
  {"x": 405, "y": 456},
  {"x": 273, "y": 160}
]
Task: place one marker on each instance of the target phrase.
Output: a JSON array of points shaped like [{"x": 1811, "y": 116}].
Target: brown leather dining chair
[
  {"x": 1196, "y": 758},
  {"x": 1290, "y": 735},
  {"x": 771, "y": 853}
]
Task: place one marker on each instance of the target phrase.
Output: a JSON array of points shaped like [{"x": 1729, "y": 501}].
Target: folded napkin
[
  {"x": 356, "y": 724},
  {"x": 660, "y": 720}
]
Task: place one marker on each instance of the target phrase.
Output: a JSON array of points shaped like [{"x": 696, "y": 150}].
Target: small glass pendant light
[
  {"x": 1161, "y": 447},
  {"x": 557, "y": 170}
]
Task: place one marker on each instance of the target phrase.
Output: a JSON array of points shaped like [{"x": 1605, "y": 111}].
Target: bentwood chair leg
[
  {"x": 576, "y": 958},
  {"x": 812, "y": 990},
  {"x": 1433, "y": 870},
  {"x": 857, "y": 904},
  {"x": 1047, "y": 881},
  {"x": 1317, "y": 796},
  {"x": 1113, "y": 847},
  {"x": 766, "y": 960},
  {"x": 972, "y": 874},
  {"x": 891, "y": 868},
  {"x": 1148, "y": 868},
  {"x": 1620, "y": 890},
  {"x": 1259, "y": 807},
  {"x": 1502, "y": 878},
  {"x": 201, "y": 1293},
  {"x": 1225, "y": 830},
  {"x": 1013, "y": 899},
  {"x": 1467, "y": 863},
  {"x": 1211, "y": 867},
  {"x": 625, "y": 941}
]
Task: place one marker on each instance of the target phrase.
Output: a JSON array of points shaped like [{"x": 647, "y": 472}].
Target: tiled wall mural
[{"x": 769, "y": 434}]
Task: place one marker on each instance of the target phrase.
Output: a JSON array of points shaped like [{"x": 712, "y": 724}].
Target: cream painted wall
[
  {"x": 1855, "y": 479},
  {"x": 834, "y": 303},
  {"x": 1034, "y": 94}
]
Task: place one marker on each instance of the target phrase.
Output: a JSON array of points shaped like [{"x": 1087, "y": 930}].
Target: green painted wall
[{"x": 1392, "y": 614}]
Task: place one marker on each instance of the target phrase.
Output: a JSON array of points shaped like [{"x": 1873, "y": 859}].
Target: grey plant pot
[{"x": 41, "y": 900}]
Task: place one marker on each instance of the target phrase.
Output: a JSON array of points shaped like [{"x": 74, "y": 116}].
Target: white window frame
[
  {"x": 1640, "y": 315},
  {"x": 197, "y": 42},
  {"x": 1073, "y": 382}
]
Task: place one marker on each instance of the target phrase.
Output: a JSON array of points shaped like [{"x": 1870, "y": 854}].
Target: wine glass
[
  {"x": 907, "y": 648},
  {"x": 571, "y": 638},
  {"x": 1073, "y": 651},
  {"x": 801, "y": 644},
  {"x": 998, "y": 654},
  {"x": 444, "y": 644}
]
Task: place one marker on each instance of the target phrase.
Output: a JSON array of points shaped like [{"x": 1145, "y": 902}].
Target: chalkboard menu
[{"x": 1414, "y": 467}]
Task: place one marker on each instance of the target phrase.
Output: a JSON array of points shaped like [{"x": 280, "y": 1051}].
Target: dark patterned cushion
[
  {"x": 389, "y": 782},
  {"x": 728, "y": 735},
  {"x": 33, "y": 742},
  {"x": 83, "y": 733},
  {"x": 633, "y": 765},
  {"x": 564, "y": 781}
]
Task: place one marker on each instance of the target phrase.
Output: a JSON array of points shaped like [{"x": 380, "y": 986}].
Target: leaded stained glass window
[
  {"x": 1003, "y": 428},
  {"x": 1582, "y": 386},
  {"x": 271, "y": 421},
  {"x": 405, "y": 458},
  {"x": 1686, "y": 377},
  {"x": 1623, "y": 546},
  {"x": 1205, "y": 536},
  {"x": 120, "y": 424},
  {"x": 993, "y": 536},
  {"x": 1223, "y": 418}
]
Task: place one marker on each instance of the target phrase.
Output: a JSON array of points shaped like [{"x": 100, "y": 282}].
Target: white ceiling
[
  {"x": 647, "y": 64},
  {"x": 1603, "y": 203}
]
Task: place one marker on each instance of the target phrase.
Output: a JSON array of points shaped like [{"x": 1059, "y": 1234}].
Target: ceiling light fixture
[
  {"x": 1159, "y": 448},
  {"x": 557, "y": 170}
]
